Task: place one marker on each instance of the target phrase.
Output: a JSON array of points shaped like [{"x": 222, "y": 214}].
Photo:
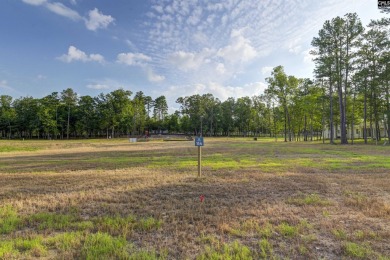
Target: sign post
[{"x": 199, "y": 142}]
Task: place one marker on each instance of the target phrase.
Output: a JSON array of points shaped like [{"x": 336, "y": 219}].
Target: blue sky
[{"x": 161, "y": 47}]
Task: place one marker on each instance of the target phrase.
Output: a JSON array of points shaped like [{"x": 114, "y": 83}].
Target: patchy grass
[
  {"x": 9, "y": 220},
  {"x": 311, "y": 199},
  {"x": 104, "y": 246},
  {"x": 228, "y": 251},
  {"x": 120, "y": 200}
]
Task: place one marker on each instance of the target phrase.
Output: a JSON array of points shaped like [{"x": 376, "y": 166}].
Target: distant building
[{"x": 358, "y": 132}]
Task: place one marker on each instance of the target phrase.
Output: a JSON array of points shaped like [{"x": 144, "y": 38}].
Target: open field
[{"x": 114, "y": 199}]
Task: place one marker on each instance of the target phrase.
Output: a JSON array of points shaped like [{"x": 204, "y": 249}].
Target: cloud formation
[
  {"x": 140, "y": 60},
  {"x": 98, "y": 86},
  {"x": 4, "y": 85},
  {"x": 133, "y": 59},
  {"x": 95, "y": 20},
  {"x": 75, "y": 54}
]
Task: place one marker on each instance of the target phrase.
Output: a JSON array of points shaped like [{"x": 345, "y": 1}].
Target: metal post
[{"x": 199, "y": 161}]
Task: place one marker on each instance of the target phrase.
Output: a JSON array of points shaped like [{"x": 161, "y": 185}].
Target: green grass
[
  {"x": 18, "y": 247},
  {"x": 310, "y": 199},
  {"x": 339, "y": 234},
  {"x": 116, "y": 226},
  {"x": 266, "y": 249},
  {"x": 287, "y": 230},
  {"x": 356, "y": 250},
  {"x": 256, "y": 194},
  {"x": 67, "y": 241},
  {"x": 232, "y": 251},
  {"x": 104, "y": 246},
  {"x": 147, "y": 224},
  {"x": 52, "y": 221},
  {"x": 9, "y": 219},
  {"x": 7, "y": 149}
]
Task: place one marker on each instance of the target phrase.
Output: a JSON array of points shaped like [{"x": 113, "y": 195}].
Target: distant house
[{"x": 358, "y": 132}]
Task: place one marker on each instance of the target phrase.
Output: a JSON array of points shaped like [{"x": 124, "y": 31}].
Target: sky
[{"x": 174, "y": 48}]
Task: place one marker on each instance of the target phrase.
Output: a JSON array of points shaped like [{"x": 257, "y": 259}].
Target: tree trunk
[
  {"x": 331, "y": 111},
  {"x": 67, "y": 129}
]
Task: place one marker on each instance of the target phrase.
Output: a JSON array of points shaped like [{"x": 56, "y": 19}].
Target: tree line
[{"x": 350, "y": 86}]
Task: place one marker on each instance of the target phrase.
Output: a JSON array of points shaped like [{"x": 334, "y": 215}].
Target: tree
[
  {"x": 160, "y": 112},
  {"x": 335, "y": 44},
  {"x": 281, "y": 87},
  {"x": 7, "y": 115},
  {"x": 69, "y": 98},
  {"x": 227, "y": 115},
  {"x": 87, "y": 115}
]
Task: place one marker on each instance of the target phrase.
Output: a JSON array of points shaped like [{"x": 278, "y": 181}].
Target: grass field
[{"x": 111, "y": 199}]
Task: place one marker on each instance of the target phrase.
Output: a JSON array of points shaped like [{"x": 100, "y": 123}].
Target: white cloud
[
  {"x": 41, "y": 77},
  {"x": 220, "y": 68},
  {"x": 60, "y": 9},
  {"x": 106, "y": 84},
  {"x": 266, "y": 70},
  {"x": 187, "y": 61},
  {"x": 35, "y": 2},
  {"x": 131, "y": 45},
  {"x": 96, "y": 57},
  {"x": 4, "y": 85},
  {"x": 133, "y": 59},
  {"x": 95, "y": 20},
  {"x": 75, "y": 54},
  {"x": 239, "y": 50},
  {"x": 195, "y": 17},
  {"x": 140, "y": 60},
  {"x": 98, "y": 86},
  {"x": 158, "y": 8},
  {"x": 153, "y": 77},
  {"x": 218, "y": 90},
  {"x": 224, "y": 92},
  {"x": 98, "y": 20}
]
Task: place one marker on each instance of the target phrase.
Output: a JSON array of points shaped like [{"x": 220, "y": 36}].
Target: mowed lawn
[{"x": 111, "y": 199}]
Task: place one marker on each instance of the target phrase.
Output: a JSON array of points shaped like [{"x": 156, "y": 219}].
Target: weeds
[
  {"x": 104, "y": 246},
  {"x": 9, "y": 219},
  {"x": 266, "y": 250},
  {"x": 311, "y": 199},
  {"x": 356, "y": 250},
  {"x": 90, "y": 199},
  {"x": 231, "y": 251},
  {"x": 287, "y": 230}
]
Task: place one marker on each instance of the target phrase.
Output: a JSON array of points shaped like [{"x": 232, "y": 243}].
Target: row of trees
[
  {"x": 352, "y": 64},
  {"x": 64, "y": 115},
  {"x": 350, "y": 87}
]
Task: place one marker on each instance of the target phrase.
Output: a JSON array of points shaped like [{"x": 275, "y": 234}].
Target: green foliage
[
  {"x": 53, "y": 221},
  {"x": 9, "y": 219},
  {"x": 266, "y": 250},
  {"x": 122, "y": 226},
  {"x": 32, "y": 247},
  {"x": 149, "y": 223},
  {"x": 146, "y": 255},
  {"x": 7, "y": 250},
  {"x": 104, "y": 246},
  {"x": 311, "y": 199},
  {"x": 340, "y": 234},
  {"x": 233, "y": 251},
  {"x": 7, "y": 149},
  {"x": 356, "y": 250},
  {"x": 66, "y": 241},
  {"x": 287, "y": 230}
]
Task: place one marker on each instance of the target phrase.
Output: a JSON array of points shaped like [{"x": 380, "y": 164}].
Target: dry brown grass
[{"x": 243, "y": 203}]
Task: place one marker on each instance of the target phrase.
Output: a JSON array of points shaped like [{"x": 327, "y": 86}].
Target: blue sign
[{"x": 199, "y": 141}]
